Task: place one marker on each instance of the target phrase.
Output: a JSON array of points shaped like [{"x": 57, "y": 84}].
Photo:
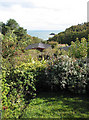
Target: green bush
[
  {"x": 20, "y": 83},
  {"x": 66, "y": 73},
  {"x": 78, "y": 49},
  {"x": 19, "y": 88}
]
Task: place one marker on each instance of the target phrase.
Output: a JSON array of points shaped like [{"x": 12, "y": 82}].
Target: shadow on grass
[
  {"x": 60, "y": 105},
  {"x": 72, "y": 105}
]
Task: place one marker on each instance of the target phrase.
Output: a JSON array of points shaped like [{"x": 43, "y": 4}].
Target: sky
[{"x": 44, "y": 14}]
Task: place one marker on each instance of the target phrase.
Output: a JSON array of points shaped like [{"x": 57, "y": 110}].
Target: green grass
[{"x": 54, "y": 105}]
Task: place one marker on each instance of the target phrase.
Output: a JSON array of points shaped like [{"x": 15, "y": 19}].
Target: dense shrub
[
  {"x": 17, "y": 92},
  {"x": 65, "y": 73},
  {"x": 19, "y": 88}
]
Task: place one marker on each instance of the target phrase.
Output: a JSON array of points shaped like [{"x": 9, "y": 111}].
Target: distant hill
[{"x": 70, "y": 34}]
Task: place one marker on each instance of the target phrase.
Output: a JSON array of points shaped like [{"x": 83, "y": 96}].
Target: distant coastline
[{"x": 43, "y": 34}]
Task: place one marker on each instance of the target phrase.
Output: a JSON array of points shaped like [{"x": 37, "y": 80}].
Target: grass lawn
[{"x": 58, "y": 105}]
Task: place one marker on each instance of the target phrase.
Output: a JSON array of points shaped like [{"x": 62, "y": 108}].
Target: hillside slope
[{"x": 70, "y": 34}]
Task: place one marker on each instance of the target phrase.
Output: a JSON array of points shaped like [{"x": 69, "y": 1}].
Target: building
[
  {"x": 66, "y": 48},
  {"x": 38, "y": 46}
]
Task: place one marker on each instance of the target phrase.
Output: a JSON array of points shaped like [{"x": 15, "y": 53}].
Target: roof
[
  {"x": 62, "y": 45},
  {"x": 38, "y": 45},
  {"x": 65, "y": 48}
]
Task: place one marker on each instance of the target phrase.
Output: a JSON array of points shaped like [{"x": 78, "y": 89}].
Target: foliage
[
  {"x": 21, "y": 90},
  {"x": 19, "y": 87},
  {"x": 88, "y": 47},
  {"x": 36, "y": 40},
  {"x": 12, "y": 24},
  {"x": 9, "y": 46},
  {"x": 65, "y": 73},
  {"x": 23, "y": 74},
  {"x": 53, "y": 43},
  {"x": 70, "y": 34},
  {"x": 23, "y": 39},
  {"x": 12, "y": 28},
  {"x": 51, "y": 53},
  {"x": 78, "y": 49},
  {"x": 21, "y": 33},
  {"x": 63, "y": 52}
]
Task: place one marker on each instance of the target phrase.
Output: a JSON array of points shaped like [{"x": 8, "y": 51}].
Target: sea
[{"x": 43, "y": 34}]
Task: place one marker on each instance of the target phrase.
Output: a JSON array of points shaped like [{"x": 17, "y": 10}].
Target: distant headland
[{"x": 52, "y": 34}]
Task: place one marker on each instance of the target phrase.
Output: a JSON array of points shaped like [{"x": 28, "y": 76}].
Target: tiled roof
[{"x": 38, "y": 45}]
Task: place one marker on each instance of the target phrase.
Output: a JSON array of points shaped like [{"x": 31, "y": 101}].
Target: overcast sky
[{"x": 44, "y": 14}]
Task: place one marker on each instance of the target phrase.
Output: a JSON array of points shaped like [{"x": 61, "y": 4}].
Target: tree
[
  {"x": 12, "y": 24},
  {"x": 2, "y": 27},
  {"x": 53, "y": 43},
  {"x": 36, "y": 40},
  {"x": 9, "y": 44},
  {"x": 21, "y": 33},
  {"x": 88, "y": 47},
  {"x": 78, "y": 48},
  {"x": 70, "y": 34}
]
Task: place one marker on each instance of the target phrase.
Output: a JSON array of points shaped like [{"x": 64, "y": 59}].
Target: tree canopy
[
  {"x": 10, "y": 30},
  {"x": 70, "y": 34}
]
